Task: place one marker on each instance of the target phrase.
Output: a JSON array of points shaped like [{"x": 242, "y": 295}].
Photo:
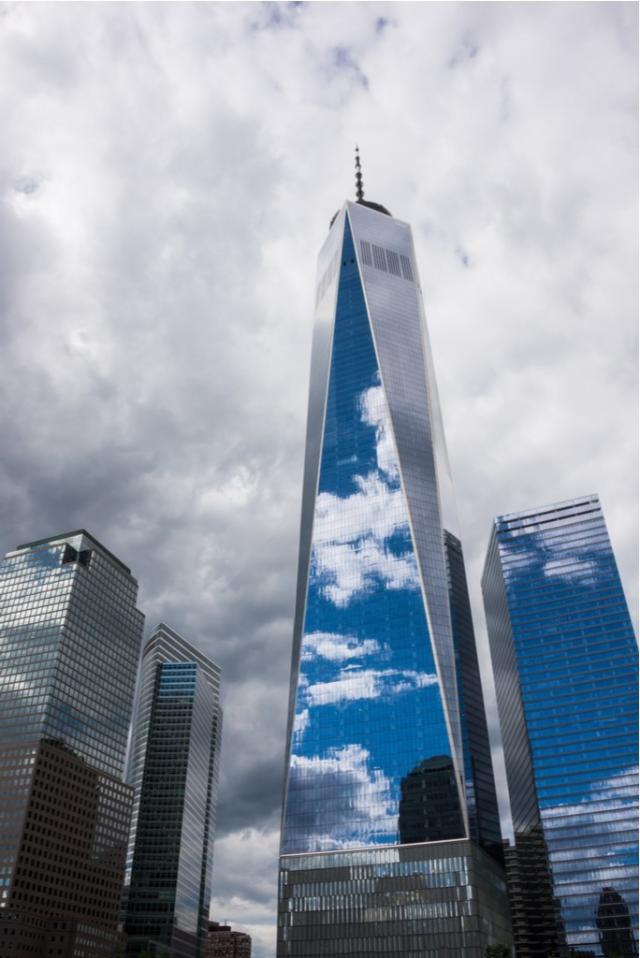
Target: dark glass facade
[
  {"x": 62, "y": 851},
  {"x": 565, "y": 662},
  {"x": 69, "y": 641},
  {"x": 377, "y": 753},
  {"x": 443, "y": 900},
  {"x": 429, "y": 810},
  {"x": 482, "y": 805},
  {"x": 175, "y": 764}
]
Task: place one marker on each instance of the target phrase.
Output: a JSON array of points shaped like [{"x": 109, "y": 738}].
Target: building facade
[
  {"x": 174, "y": 772},
  {"x": 67, "y": 845},
  {"x": 480, "y": 789},
  {"x": 224, "y": 942},
  {"x": 565, "y": 662},
  {"x": 69, "y": 642},
  {"x": 384, "y": 850}
]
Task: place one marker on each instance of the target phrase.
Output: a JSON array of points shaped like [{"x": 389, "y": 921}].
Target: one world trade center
[{"x": 390, "y": 831}]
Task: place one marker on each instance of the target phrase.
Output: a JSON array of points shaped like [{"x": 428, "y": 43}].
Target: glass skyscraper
[
  {"x": 565, "y": 662},
  {"x": 390, "y": 810},
  {"x": 174, "y": 771},
  {"x": 70, "y": 637}
]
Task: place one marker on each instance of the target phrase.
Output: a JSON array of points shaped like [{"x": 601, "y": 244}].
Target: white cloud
[
  {"x": 375, "y": 412},
  {"x": 336, "y": 647},
  {"x": 300, "y": 723},
  {"x": 617, "y": 791},
  {"x": 357, "y": 803},
  {"x": 603, "y": 810},
  {"x": 244, "y": 884},
  {"x": 353, "y": 684},
  {"x": 350, "y": 555},
  {"x": 373, "y": 511},
  {"x": 570, "y": 569},
  {"x": 156, "y": 291},
  {"x": 348, "y": 570}
]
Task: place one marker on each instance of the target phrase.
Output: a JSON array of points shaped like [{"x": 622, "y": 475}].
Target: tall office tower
[
  {"x": 382, "y": 847},
  {"x": 174, "y": 770},
  {"x": 565, "y": 661},
  {"x": 69, "y": 642}
]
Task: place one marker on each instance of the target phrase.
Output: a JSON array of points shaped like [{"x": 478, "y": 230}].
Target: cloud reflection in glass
[{"x": 368, "y": 707}]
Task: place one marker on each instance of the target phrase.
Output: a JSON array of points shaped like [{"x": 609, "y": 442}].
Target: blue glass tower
[
  {"x": 565, "y": 660},
  {"x": 174, "y": 771},
  {"x": 381, "y": 835}
]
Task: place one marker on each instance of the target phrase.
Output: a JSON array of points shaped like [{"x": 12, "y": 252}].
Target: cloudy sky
[{"x": 167, "y": 175}]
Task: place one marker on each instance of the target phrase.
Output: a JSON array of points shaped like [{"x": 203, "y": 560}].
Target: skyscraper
[
  {"x": 565, "y": 661},
  {"x": 69, "y": 641},
  {"x": 381, "y": 837},
  {"x": 174, "y": 771}
]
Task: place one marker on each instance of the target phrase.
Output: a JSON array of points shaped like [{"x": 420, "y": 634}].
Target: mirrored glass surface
[
  {"x": 369, "y": 723},
  {"x": 69, "y": 641},
  {"x": 175, "y": 769},
  {"x": 565, "y": 658}
]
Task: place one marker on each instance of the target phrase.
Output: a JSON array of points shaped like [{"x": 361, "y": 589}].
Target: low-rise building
[{"x": 223, "y": 942}]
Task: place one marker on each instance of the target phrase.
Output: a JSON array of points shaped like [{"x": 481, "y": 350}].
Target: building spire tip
[{"x": 359, "y": 187}]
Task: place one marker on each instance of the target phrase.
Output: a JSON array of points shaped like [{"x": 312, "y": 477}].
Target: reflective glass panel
[
  {"x": 566, "y": 660},
  {"x": 174, "y": 767},
  {"x": 370, "y": 755}
]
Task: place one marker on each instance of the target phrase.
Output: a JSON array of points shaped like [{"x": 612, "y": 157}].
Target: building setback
[
  {"x": 390, "y": 833},
  {"x": 565, "y": 663},
  {"x": 69, "y": 643},
  {"x": 174, "y": 770}
]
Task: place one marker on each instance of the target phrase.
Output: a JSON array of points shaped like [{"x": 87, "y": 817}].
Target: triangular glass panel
[{"x": 370, "y": 757}]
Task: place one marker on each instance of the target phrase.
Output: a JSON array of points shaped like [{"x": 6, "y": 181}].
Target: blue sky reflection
[{"x": 368, "y": 707}]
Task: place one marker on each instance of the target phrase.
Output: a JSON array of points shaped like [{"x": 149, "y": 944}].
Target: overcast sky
[{"x": 167, "y": 175}]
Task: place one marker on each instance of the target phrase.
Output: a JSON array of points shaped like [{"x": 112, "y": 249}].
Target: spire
[
  {"x": 360, "y": 193},
  {"x": 359, "y": 189}
]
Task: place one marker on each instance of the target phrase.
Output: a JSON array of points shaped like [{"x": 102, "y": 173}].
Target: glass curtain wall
[
  {"x": 377, "y": 755},
  {"x": 167, "y": 901},
  {"x": 565, "y": 660}
]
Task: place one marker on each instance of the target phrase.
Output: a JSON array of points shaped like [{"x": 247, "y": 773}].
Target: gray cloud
[{"x": 156, "y": 294}]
